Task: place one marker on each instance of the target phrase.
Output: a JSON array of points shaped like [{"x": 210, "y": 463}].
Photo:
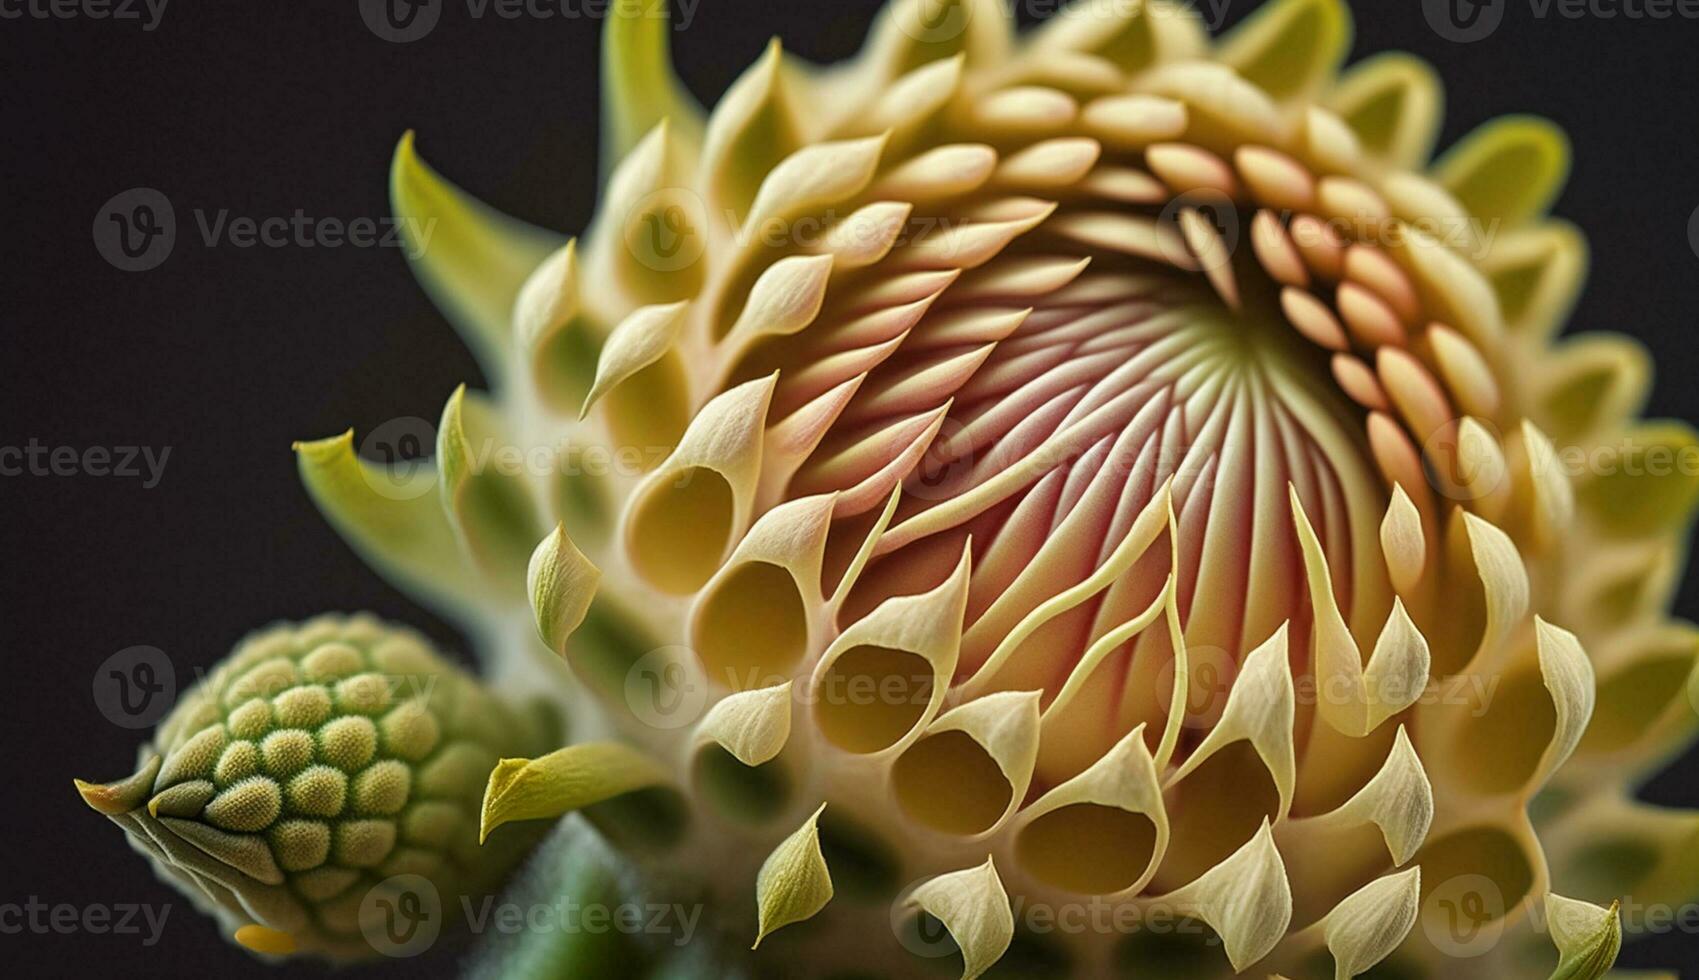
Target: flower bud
[{"x": 316, "y": 763}]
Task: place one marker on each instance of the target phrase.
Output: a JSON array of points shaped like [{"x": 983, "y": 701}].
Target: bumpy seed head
[
  {"x": 1103, "y": 469},
  {"x": 316, "y": 763}
]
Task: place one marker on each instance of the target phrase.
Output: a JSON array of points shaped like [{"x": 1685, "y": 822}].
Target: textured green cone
[{"x": 289, "y": 791}]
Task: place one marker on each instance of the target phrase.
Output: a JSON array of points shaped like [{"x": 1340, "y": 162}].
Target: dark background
[{"x": 226, "y": 355}]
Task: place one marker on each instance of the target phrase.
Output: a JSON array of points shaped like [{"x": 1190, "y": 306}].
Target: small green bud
[{"x": 316, "y": 762}]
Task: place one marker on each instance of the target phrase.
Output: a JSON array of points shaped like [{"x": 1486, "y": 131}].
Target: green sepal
[
  {"x": 471, "y": 258},
  {"x": 390, "y": 516}
]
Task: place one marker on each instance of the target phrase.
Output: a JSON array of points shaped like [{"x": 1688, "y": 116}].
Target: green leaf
[{"x": 471, "y": 258}]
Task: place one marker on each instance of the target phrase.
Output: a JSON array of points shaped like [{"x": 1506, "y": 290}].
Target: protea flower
[{"x": 1099, "y": 473}]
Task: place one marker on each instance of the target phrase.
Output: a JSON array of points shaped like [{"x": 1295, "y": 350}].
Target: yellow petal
[
  {"x": 1394, "y": 104},
  {"x": 1290, "y": 48},
  {"x": 563, "y": 781},
  {"x": 1070, "y": 840},
  {"x": 1568, "y": 675},
  {"x": 752, "y": 725},
  {"x": 1260, "y": 709},
  {"x": 561, "y": 583},
  {"x": 636, "y": 342},
  {"x": 682, "y": 519},
  {"x": 1367, "y": 925},
  {"x": 1246, "y": 899},
  {"x": 1509, "y": 169},
  {"x": 905, "y": 649},
  {"x": 794, "y": 883},
  {"x": 1398, "y": 800},
  {"x": 973, "y": 906},
  {"x": 973, "y": 765}
]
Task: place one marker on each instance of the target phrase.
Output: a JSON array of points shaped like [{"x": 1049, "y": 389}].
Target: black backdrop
[{"x": 227, "y": 354}]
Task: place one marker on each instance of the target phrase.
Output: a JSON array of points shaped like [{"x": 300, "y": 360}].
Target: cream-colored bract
[{"x": 1095, "y": 472}]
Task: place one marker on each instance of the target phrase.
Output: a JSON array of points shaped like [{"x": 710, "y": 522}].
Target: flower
[
  {"x": 1004, "y": 482},
  {"x": 322, "y": 769}
]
